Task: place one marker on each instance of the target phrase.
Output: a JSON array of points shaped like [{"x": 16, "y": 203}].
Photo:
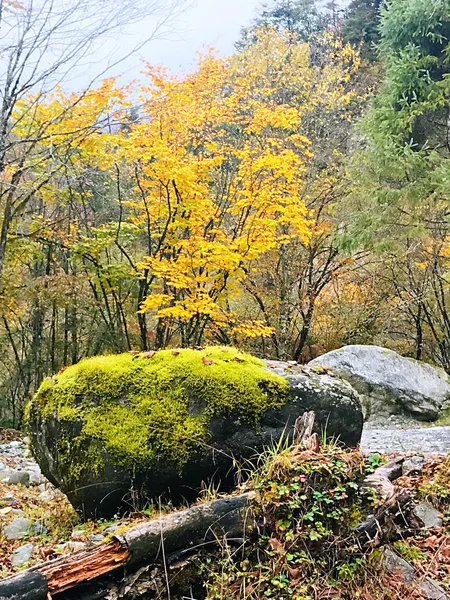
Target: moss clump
[{"x": 141, "y": 408}]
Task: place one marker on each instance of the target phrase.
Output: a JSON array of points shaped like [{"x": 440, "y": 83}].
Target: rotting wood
[
  {"x": 304, "y": 429},
  {"x": 370, "y": 532},
  {"x": 175, "y": 531},
  {"x": 381, "y": 479},
  {"x": 69, "y": 571}
]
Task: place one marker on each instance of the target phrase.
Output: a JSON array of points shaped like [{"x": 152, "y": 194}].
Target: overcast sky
[{"x": 204, "y": 23}]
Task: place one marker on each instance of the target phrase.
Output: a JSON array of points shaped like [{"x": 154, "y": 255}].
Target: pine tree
[{"x": 360, "y": 26}]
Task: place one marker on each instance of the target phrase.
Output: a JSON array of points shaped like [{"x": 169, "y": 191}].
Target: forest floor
[{"x": 46, "y": 526}]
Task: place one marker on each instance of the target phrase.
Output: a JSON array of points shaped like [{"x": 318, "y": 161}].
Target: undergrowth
[{"x": 306, "y": 506}]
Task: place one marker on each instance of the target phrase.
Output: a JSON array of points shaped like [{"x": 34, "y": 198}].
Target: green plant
[{"x": 306, "y": 505}]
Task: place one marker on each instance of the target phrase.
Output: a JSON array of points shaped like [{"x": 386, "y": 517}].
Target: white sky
[{"x": 204, "y": 23}]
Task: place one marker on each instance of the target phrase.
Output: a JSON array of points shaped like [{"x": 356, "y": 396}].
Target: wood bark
[
  {"x": 370, "y": 532},
  {"x": 304, "y": 428},
  {"x": 145, "y": 542},
  {"x": 25, "y": 586},
  {"x": 381, "y": 479}
]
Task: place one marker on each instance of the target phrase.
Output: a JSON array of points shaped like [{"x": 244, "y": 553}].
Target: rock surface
[
  {"x": 336, "y": 404},
  {"x": 17, "y": 529},
  {"x": 22, "y": 555},
  {"x": 430, "y": 590},
  {"x": 426, "y": 440},
  {"x": 208, "y": 407},
  {"x": 428, "y": 516},
  {"x": 388, "y": 383}
]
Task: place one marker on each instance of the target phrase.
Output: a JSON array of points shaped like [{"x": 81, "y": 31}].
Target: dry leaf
[
  {"x": 208, "y": 361},
  {"x": 275, "y": 544}
]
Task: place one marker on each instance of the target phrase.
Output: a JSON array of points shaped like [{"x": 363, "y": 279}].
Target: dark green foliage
[
  {"x": 360, "y": 26},
  {"x": 414, "y": 47},
  {"x": 400, "y": 191},
  {"x": 405, "y": 160},
  {"x": 300, "y": 17}
]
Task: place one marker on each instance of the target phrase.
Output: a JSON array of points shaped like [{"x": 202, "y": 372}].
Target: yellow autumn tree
[{"x": 218, "y": 165}]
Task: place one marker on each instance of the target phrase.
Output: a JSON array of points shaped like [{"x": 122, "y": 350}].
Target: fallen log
[
  {"x": 25, "y": 586},
  {"x": 144, "y": 542}
]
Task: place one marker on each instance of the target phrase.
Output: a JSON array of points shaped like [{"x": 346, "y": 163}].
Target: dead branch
[
  {"x": 381, "y": 479},
  {"x": 378, "y": 526}
]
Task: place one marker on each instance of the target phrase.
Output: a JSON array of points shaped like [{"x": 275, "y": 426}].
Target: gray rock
[
  {"x": 426, "y": 440},
  {"x": 96, "y": 538},
  {"x": 47, "y": 495},
  {"x": 335, "y": 402},
  {"x": 9, "y": 499},
  {"x": 413, "y": 464},
  {"x": 21, "y": 556},
  {"x": 70, "y": 547},
  {"x": 17, "y": 529},
  {"x": 392, "y": 562},
  {"x": 65, "y": 454},
  {"x": 112, "y": 529},
  {"x": 15, "y": 448},
  {"x": 38, "y": 529},
  {"x": 389, "y": 383},
  {"x": 36, "y": 477},
  {"x": 428, "y": 515},
  {"x": 16, "y": 477}
]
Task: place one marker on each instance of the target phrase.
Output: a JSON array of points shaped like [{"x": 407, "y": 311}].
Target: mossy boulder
[{"x": 116, "y": 431}]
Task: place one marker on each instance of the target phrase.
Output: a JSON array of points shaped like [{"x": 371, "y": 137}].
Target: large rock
[
  {"x": 388, "y": 383},
  {"x": 114, "y": 431}
]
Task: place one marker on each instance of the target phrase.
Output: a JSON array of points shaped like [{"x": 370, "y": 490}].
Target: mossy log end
[{"x": 144, "y": 542}]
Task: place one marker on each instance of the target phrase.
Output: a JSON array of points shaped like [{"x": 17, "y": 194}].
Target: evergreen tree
[
  {"x": 301, "y": 18},
  {"x": 360, "y": 26},
  {"x": 400, "y": 189}
]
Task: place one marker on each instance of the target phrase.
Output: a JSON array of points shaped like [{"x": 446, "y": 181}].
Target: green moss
[
  {"x": 139, "y": 407},
  {"x": 444, "y": 419}
]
